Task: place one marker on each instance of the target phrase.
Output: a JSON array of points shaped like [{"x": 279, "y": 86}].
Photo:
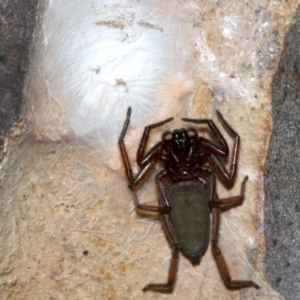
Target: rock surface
[{"x": 68, "y": 219}]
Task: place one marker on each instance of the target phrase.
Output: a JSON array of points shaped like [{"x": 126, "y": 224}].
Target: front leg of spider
[
  {"x": 146, "y": 162},
  {"x": 215, "y": 150}
]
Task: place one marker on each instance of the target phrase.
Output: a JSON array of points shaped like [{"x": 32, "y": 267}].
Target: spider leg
[
  {"x": 163, "y": 206},
  {"x": 220, "y": 150},
  {"x": 215, "y": 150},
  {"x": 168, "y": 286},
  {"x": 222, "y": 266},
  {"x": 148, "y": 164},
  {"x": 217, "y": 205},
  {"x": 144, "y": 207},
  {"x": 227, "y": 203},
  {"x": 143, "y": 159},
  {"x": 228, "y": 176}
]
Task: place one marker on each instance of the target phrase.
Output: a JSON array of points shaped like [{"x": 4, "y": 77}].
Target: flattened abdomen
[{"x": 190, "y": 217}]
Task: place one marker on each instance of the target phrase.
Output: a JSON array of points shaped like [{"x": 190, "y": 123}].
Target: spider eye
[
  {"x": 180, "y": 137},
  {"x": 183, "y": 136},
  {"x": 175, "y": 135}
]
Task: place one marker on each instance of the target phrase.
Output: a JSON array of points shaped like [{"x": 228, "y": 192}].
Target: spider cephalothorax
[{"x": 182, "y": 159}]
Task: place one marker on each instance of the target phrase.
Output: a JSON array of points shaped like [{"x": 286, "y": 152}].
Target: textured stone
[
  {"x": 69, "y": 228},
  {"x": 282, "y": 180}
]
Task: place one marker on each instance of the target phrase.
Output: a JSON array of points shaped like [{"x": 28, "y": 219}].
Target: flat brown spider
[{"x": 187, "y": 188}]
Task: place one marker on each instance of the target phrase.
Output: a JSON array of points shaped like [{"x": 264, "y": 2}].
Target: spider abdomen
[{"x": 190, "y": 217}]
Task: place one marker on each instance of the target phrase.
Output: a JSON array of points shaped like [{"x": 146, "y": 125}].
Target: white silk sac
[
  {"x": 97, "y": 58},
  {"x": 93, "y": 59}
]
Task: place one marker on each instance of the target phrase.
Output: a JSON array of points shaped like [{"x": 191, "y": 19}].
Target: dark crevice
[{"x": 17, "y": 21}]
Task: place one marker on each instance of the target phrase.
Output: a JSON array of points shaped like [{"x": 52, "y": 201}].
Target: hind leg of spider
[
  {"x": 222, "y": 266},
  {"x": 164, "y": 205},
  {"x": 169, "y": 285},
  {"x": 227, "y": 203}
]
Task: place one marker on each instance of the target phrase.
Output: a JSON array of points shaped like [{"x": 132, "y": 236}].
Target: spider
[{"x": 187, "y": 189}]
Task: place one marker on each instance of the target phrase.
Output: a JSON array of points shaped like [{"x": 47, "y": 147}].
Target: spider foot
[
  {"x": 159, "y": 287},
  {"x": 239, "y": 284},
  {"x": 164, "y": 209}
]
